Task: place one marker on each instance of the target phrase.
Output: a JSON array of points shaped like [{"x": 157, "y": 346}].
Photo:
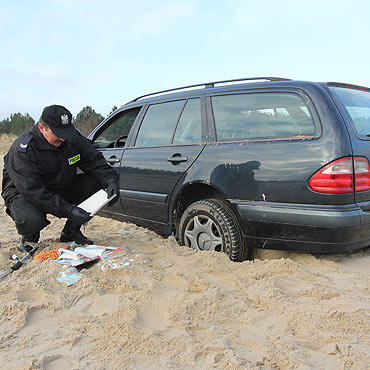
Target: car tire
[{"x": 210, "y": 225}]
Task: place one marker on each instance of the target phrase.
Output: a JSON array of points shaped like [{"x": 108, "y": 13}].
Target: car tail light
[{"x": 345, "y": 175}]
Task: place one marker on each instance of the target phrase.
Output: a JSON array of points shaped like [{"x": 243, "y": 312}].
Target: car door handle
[
  {"x": 177, "y": 158},
  {"x": 113, "y": 160}
]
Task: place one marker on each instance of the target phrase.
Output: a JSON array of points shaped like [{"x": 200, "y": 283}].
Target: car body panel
[
  {"x": 149, "y": 176},
  {"x": 360, "y": 143}
]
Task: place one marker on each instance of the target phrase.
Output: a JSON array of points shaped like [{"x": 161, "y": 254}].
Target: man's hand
[
  {"x": 113, "y": 189},
  {"x": 78, "y": 216}
]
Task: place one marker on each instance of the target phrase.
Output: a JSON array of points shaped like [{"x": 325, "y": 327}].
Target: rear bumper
[{"x": 302, "y": 227}]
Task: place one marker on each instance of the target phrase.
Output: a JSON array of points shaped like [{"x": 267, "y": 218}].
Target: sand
[{"x": 173, "y": 308}]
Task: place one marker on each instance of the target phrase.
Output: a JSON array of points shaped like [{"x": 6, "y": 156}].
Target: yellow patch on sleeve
[{"x": 74, "y": 159}]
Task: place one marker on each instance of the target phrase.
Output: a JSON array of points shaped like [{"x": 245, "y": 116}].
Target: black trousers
[{"x": 30, "y": 220}]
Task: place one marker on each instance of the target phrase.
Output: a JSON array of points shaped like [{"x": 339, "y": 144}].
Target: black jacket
[{"x": 39, "y": 171}]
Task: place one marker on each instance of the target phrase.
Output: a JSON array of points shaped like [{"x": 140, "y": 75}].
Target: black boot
[
  {"x": 72, "y": 233},
  {"x": 25, "y": 246}
]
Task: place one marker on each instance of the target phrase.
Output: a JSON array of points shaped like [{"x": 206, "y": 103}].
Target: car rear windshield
[{"x": 357, "y": 104}]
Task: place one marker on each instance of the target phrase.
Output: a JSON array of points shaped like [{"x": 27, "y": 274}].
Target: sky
[{"x": 102, "y": 54}]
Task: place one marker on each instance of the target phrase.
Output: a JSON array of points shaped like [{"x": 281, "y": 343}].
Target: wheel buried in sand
[{"x": 210, "y": 225}]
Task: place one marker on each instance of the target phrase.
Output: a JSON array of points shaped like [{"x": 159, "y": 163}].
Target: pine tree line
[{"x": 86, "y": 120}]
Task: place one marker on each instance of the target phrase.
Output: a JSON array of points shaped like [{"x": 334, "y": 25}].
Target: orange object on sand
[{"x": 49, "y": 255}]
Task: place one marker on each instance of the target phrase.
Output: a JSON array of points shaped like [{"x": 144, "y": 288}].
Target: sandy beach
[{"x": 169, "y": 307}]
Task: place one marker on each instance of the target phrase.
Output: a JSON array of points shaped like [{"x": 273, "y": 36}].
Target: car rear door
[{"x": 168, "y": 141}]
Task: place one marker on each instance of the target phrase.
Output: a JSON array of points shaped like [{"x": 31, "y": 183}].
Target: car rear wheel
[{"x": 210, "y": 225}]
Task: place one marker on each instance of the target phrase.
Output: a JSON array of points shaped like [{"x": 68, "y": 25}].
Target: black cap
[{"x": 59, "y": 119}]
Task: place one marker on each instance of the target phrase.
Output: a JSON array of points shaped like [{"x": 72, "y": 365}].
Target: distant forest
[{"x": 85, "y": 121}]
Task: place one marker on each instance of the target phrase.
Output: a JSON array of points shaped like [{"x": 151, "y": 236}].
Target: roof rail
[{"x": 212, "y": 84}]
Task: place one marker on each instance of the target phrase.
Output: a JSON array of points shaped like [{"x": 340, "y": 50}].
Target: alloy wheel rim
[{"x": 202, "y": 233}]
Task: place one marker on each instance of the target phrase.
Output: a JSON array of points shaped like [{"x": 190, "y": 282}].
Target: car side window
[
  {"x": 260, "y": 116},
  {"x": 188, "y": 130},
  {"x": 118, "y": 126},
  {"x": 159, "y": 123}
]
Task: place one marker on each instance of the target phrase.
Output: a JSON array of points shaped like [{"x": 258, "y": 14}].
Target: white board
[{"x": 96, "y": 202}]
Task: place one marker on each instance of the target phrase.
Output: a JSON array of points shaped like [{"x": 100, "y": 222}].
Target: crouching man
[{"x": 40, "y": 177}]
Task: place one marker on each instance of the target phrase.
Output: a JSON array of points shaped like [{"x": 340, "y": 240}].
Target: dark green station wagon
[{"x": 254, "y": 163}]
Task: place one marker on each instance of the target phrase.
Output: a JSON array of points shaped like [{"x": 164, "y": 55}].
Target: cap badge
[{"x": 64, "y": 119}]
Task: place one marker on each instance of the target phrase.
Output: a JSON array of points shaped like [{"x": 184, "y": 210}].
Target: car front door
[{"x": 110, "y": 139}]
